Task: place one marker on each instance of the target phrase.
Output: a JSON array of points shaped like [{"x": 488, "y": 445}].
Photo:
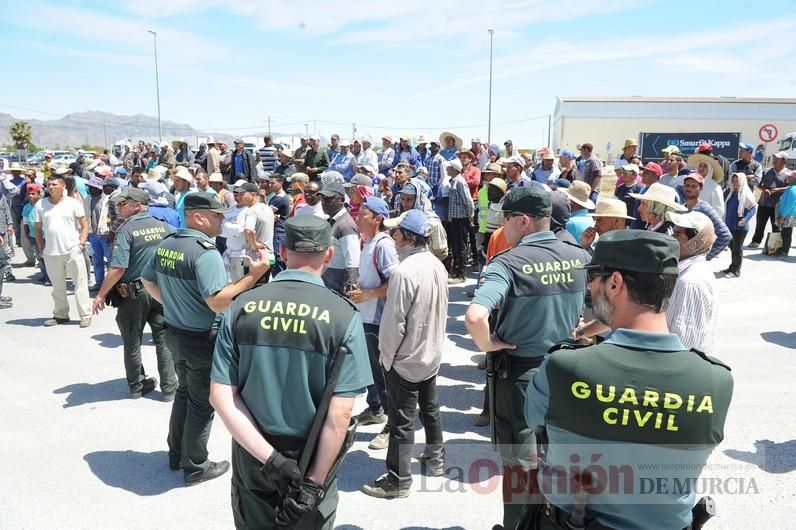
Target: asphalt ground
[{"x": 78, "y": 453}]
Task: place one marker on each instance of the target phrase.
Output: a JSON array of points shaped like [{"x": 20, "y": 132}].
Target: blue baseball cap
[
  {"x": 748, "y": 147},
  {"x": 416, "y": 221},
  {"x": 377, "y": 206},
  {"x": 567, "y": 153}
]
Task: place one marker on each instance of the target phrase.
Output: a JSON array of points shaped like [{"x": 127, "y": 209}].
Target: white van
[{"x": 788, "y": 144}]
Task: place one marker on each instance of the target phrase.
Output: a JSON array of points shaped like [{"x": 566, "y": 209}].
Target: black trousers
[
  {"x": 131, "y": 317},
  {"x": 256, "y": 497},
  {"x": 764, "y": 214},
  {"x": 787, "y": 237},
  {"x": 736, "y": 250},
  {"x": 377, "y": 392},
  {"x": 458, "y": 237},
  {"x": 192, "y": 413},
  {"x": 402, "y": 401},
  {"x": 471, "y": 231}
]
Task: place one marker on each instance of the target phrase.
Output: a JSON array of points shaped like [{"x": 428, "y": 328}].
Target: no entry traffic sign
[{"x": 768, "y": 132}]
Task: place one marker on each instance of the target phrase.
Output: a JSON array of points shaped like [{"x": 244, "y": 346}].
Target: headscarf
[
  {"x": 702, "y": 242},
  {"x": 746, "y": 199}
]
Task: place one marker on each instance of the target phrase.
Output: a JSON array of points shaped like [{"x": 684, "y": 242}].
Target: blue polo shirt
[{"x": 578, "y": 222}]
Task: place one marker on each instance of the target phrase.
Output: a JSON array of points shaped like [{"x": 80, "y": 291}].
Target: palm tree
[{"x": 21, "y": 134}]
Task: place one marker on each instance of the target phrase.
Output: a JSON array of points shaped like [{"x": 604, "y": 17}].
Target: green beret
[
  {"x": 636, "y": 250},
  {"x": 307, "y": 234},
  {"x": 528, "y": 200}
]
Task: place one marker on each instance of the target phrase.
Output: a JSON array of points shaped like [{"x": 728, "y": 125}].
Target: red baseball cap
[
  {"x": 32, "y": 187},
  {"x": 696, "y": 176},
  {"x": 655, "y": 168},
  {"x": 704, "y": 147}
]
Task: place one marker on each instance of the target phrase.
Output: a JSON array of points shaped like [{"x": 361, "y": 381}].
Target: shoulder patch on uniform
[
  {"x": 568, "y": 344},
  {"x": 207, "y": 245},
  {"x": 711, "y": 360}
]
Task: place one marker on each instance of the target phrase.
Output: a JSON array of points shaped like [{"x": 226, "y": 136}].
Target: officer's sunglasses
[{"x": 593, "y": 274}]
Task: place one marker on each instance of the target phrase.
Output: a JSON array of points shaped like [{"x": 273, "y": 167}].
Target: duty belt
[{"x": 130, "y": 289}]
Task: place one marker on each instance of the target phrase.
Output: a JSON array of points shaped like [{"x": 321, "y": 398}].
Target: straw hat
[
  {"x": 215, "y": 177},
  {"x": 718, "y": 171},
  {"x": 630, "y": 142},
  {"x": 458, "y": 141},
  {"x": 14, "y": 166},
  {"x": 660, "y": 193},
  {"x": 611, "y": 208},
  {"x": 578, "y": 193},
  {"x": 175, "y": 144},
  {"x": 155, "y": 173}
]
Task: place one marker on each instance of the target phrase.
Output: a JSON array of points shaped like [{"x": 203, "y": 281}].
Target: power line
[{"x": 142, "y": 125}]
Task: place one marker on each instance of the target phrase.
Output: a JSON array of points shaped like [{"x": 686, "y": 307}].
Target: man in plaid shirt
[{"x": 460, "y": 215}]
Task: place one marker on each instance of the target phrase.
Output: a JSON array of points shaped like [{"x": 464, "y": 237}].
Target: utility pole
[
  {"x": 549, "y": 125},
  {"x": 489, "y": 126},
  {"x": 306, "y": 130},
  {"x": 105, "y": 133},
  {"x": 157, "y": 83},
  {"x": 353, "y": 131},
  {"x": 269, "y": 125},
  {"x": 314, "y": 126}
]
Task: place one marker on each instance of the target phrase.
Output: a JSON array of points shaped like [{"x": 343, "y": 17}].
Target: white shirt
[
  {"x": 59, "y": 224},
  {"x": 692, "y": 314},
  {"x": 386, "y": 259},
  {"x": 306, "y": 209},
  {"x": 232, "y": 229}
]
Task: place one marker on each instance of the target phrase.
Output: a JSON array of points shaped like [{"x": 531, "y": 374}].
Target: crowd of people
[{"x": 253, "y": 270}]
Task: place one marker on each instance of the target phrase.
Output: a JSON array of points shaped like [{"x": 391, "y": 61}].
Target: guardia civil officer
[
  {"x": 538, "y": 293},
  {"x": 133, "y": 248},
  {"x": 187, "y": 276},
  {"x": 639, "y": 397},
  {"x": 272, "y": 359}
]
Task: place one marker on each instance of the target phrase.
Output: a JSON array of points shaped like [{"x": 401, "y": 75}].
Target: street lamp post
[
  {"x": 489, "y": 125},
  {"x": 157, "y": 82}
]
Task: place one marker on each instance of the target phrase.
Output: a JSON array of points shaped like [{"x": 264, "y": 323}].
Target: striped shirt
[
  {"x": 268, "y": 157},
  {"x": 692, "y": 314}
]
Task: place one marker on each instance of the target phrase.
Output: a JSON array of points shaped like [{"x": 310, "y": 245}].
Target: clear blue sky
[{"x": 392, "y": 67}]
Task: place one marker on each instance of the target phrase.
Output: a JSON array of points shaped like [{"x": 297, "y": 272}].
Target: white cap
[
  {"x": 183, "y": 173},
  {"x": 781, "y": 154}
]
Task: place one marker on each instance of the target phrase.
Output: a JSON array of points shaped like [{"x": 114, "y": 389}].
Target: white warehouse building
[{"x": 655, "y": 122}]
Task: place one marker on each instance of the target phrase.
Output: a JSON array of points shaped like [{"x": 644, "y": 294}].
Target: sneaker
[
  {"x": 28, "y": 264},
  {"x": 215, "y": 470},
  {"x": 753, "y": 245},
  {"x": 147, "y": 385},
  {"x": 6, "y": 299},
  {"x": 10, "y": 277},
  {"x": 94, "y": 288},
  {"x": 85, "y": 322},
  {"x": 367, "y": 417},
  {"x": 386, "y": 487},
  {"x": 455, "y": 280},
  {"x": 435, "y": 469},
  {"x": 482, "y": 420},
  {"x": 381, "y": 441},
  {"x": 55, "y": 321},
  {"x": 6, "y": 305}
]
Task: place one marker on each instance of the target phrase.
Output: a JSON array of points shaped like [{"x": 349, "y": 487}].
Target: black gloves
[
  {"x": 283, "y": 471},
  {"x": 299, "y": 503}
]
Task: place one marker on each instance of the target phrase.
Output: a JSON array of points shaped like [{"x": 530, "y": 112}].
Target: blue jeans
[{"x": 101, "y": 250}]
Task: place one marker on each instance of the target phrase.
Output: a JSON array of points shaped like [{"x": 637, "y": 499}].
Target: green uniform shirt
[
  {"x": 188, "y": 269},
  {"x": 539, "y": 292},
  {"x": 135, "y": 244},
  {"x": 642, "y": 412},
  {"x": 277, "y": 344},
  {"x": 317, "y": 159}
]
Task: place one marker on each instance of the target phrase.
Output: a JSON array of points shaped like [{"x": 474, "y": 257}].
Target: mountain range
[{"x": 103, "y": 128}]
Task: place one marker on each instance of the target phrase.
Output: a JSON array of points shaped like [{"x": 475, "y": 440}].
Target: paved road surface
[{"x": 78, "y": 453}]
